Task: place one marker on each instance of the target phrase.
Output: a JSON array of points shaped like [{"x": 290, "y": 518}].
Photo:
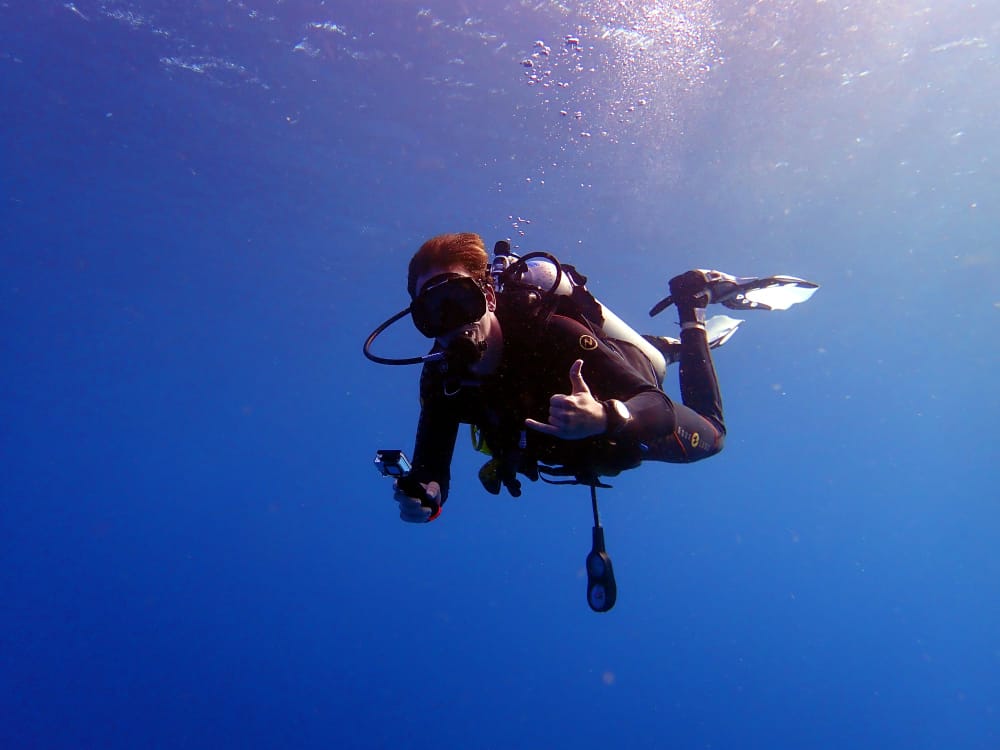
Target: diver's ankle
[{"x": 691, "y": 316}]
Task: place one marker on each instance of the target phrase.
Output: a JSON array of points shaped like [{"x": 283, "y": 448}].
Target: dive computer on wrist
[{"x": 618, "y": 416}]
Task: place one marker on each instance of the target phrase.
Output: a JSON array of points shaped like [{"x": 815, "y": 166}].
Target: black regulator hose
[{"x": 388, "y": 361}]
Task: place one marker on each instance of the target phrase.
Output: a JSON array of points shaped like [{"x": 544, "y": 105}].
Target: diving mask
[{"x": 447, "y": 302}]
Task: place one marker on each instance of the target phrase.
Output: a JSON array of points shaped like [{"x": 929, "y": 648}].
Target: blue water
[{"x": 205, "y": 208}]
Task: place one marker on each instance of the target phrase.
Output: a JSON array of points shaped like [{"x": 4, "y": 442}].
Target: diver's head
[{"x": 454, "y": 301}]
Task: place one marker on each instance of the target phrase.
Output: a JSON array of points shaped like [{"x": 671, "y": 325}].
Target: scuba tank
[{"x": 541, "y": 279}]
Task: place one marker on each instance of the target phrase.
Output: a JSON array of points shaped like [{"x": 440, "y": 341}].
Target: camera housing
[{"x": 392, "y": 463}]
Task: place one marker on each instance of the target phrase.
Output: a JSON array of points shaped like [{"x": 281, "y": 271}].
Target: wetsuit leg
[
  {"x": 699, "y": 383},
  {"x": 700, "y": 430}
]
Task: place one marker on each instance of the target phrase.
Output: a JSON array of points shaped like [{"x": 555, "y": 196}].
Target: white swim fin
[{"x": 751, "y": 293}]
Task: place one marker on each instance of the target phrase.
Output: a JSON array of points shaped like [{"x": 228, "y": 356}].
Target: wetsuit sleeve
[
  {"x": 437, "y": 429},
  {"x": 652, "y": 415}
]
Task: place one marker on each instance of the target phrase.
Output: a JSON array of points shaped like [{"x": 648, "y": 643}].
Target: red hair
[{"x": 463, "y": 249}]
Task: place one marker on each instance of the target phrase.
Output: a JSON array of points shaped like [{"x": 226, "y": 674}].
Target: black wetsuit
[{"x": 537, "y": 356}]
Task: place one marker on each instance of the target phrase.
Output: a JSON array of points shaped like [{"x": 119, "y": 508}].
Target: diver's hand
[
  {"x": 575, "y": 416},
  {"x": 414, "y": 509}
]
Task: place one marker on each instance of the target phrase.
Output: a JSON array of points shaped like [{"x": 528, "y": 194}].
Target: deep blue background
[{"x": 205, "y": 207}]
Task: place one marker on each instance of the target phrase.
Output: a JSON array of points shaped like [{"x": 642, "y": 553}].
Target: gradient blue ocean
[{"x": 205, "y": 207}]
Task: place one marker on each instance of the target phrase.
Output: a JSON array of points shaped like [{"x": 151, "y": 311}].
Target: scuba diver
[{"x": 554, "y": 384}]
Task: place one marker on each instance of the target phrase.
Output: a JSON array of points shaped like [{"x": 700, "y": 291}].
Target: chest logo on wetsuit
[
  {"x": 695, "y": 439},
  {"x": 588, "y": 343}
]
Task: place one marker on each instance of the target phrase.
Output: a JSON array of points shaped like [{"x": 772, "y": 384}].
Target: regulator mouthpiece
[{"x": 464, "y": 352}]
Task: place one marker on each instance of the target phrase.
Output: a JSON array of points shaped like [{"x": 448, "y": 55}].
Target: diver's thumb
[{"x": 576, "y": 378}]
